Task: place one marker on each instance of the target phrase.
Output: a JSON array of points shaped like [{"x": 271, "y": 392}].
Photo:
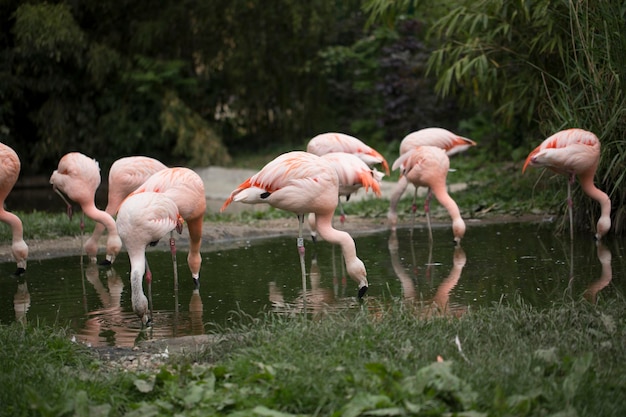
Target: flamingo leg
[
  {"x": 173, "y": 251},
  {"x": 342, "y": 215},
  {"x": 413, "y": 210},
  {"x": 300, "y": 244},
  {"x": 149, "y": 282},
  {"x": 570, "y": 203},
  {"x": 427, "y": 211},
  {"x": 335, "y": 279}
]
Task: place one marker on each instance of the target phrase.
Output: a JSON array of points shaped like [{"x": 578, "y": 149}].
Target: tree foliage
[
  {"x": 194, "y": 83},
  {"x": 542, "y": 66}
]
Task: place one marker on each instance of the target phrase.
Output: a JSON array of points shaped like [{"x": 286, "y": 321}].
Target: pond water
[{"x": 497, "y": 263}]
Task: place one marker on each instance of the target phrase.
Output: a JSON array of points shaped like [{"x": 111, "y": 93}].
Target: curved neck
[
  {"x": 458, "y": 225},
  {"x": 323, "y": 224},
  {"x": 604, "y": 222},
  {"x": 586, "y": 183},
  {"x": 16, "y": 224},
  {"x": 354, "y": 266},
  {"x": 100, "y": 216}
]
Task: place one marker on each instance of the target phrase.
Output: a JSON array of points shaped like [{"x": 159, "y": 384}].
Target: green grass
[{"x": 377, "y": 360}]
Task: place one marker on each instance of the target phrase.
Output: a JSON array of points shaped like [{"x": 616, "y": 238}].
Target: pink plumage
[
  {"x": 436, "y": 136},
  {"x": 339, "y": 142},
  {"x": 427, "y": 166},
  {"x": 302, "y": 182},
  {"x": 9, "y": 172},
  {"x": 186, "y": 189},
  {"x": 574, "y": 152},
  {"x": 449, "y": 142},
  {"x": 353, "y": 173},
  {"x": 142, "y": 219},
  {"x": 78, "y": 177},
  {"x": 125, "y": 175}
]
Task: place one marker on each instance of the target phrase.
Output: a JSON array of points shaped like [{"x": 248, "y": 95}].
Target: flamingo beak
[{"x": 69, "y": 210}]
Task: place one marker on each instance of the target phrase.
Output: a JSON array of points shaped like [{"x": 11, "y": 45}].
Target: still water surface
[{"x": 496, "y": 264}]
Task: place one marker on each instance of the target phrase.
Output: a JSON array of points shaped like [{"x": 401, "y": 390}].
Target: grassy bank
[{"x": 567, "y": 360}]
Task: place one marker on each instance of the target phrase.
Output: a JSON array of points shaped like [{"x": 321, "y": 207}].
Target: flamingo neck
[
  {"x": 354, "y": 266},
  {"x": 19, "y": 248},
  {"x": 604, "y": 222},
  {"x": 100, "y": 216},
  {"x": 114, "y": 242},
  {"x": 458, "y": 225},
  {"x": 14, "y": 222},
  {"x": 323, "y": 224}
]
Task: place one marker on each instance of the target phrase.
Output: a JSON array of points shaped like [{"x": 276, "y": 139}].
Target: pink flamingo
[
  {"x": 428, "y": 166},
  {"x": 340, "y": 142},
  {"x": 302, "y": 183},
  {"x": 436, "y": 136},
  {"x": 353, "y": 175},
  {"x": 143, "y": 219},
  {"x": 78, "y": 177},
  {"x": 431, "y": 136},
  {"x": 186, "y": 189},
  {"x": 574, "y": 152},
  {"x": 125, "y": 176},
  {"x": 9, "y": 171}
]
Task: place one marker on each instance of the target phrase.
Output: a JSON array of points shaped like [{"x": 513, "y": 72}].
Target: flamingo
[
  {"x": 431, "y": 136},
  {"x": 339, "y": 142},
  {"x": 353, "y": 174},
  {"x": 604, "y": 256},
  {"x": 439, "y": 303},
  {"x": 125, "y": 176},
  {"x": 143, "y": 219},
  {"x": 428, "y": 166},
  {"x": 436, "y": 136},
  {"x": 574, "y": 152},
  {"x": 9, "y": 171},
  {"x": 186, "y": 189},
  {"x": 78, "y": 177},
  {"x": 302, "y": 183}
]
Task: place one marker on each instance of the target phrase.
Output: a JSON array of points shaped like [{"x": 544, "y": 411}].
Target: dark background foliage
[{"x": 203, "y": 83}]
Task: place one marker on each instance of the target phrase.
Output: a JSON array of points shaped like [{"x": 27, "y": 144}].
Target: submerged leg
[
  {"x": 413, "y": 209},
  {"x": 570, "y": 203},
  {"x": 173, "y": 251},
  {"x": 342, "y": 213},
  {"x": 300, "y": 244},
  {"x": 427, "y": 211},
  {"x": 149, "y": 282}
]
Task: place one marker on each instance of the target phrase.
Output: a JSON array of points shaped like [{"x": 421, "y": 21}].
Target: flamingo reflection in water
[
  {"x": 107, "y": 324},
  {"x": 439, "y": 303},
  {"x": 605, "y": 257},
  {"x": 21, "y": 301},
  {"x": 110, "y": 325},
  {"x": 318, "y": 300}
]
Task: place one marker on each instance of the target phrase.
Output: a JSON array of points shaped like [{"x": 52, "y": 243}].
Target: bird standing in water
[
  {"x": 143, "y": 219},
  {"x": 574, "y": 152},
  {"x": 9, "y": 172},
  {"x": 428, "y": 166},
  {"x": 125, "y": 176},
  {"x": 78, "y": 177},
  {"x": 303, "y": 183},
  {"x": 431, "y": 136},
  {"x": 186, "y": 189}
]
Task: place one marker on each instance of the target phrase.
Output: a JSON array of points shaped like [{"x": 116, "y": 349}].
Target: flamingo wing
[{"x": 568, "y": 151}]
